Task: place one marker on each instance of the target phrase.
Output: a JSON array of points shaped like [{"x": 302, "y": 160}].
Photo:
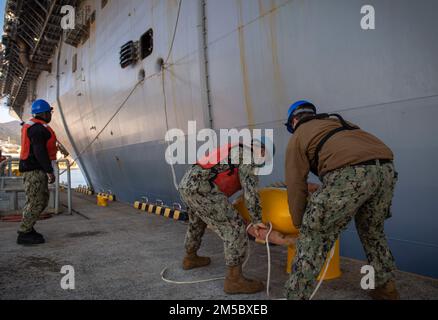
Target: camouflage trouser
[
  {"x": 362, "y": 192},
  {"x": 214, "y": 209},
  {"x": 37, "y": 198}
]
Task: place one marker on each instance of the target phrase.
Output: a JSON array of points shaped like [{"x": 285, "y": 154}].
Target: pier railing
[
  {"x": 68, "y": 186},
  {"x": 13, "y": 185}
]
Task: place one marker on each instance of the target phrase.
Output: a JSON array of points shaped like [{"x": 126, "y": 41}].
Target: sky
[{"x": 4, "y": 112}]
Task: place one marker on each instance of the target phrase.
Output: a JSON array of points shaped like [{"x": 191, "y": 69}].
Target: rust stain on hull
[
  {"x": 280, "y": 95},
  {"x": 244, "y": 66},
  {"x": 261, "y": 8}
]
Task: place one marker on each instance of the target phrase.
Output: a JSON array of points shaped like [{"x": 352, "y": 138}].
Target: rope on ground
[
  {"x": 268, "y": 280},
  {"x": 332, "y": 252}
]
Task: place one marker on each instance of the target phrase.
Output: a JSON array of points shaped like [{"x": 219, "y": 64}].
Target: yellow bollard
[
  {"x": 102, "y": 201},
  {"x": 16, "y": 173},
  {"x": 276, "y": 210}
]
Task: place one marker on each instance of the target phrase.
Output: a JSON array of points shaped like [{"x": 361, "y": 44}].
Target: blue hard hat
[
  {"x": 305, "y": 106},
  {"x": 40, "y": 106}
]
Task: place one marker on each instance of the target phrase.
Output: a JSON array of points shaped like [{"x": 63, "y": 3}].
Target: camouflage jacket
[{"x": 197, "y": 180}]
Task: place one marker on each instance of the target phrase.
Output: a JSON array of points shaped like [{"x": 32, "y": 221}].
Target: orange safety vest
[
  {"x": 52, "y": 149},
  {"x": 227, "y": 181}
]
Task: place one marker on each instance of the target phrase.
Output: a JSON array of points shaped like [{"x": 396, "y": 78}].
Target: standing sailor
[
  {"x": 358, "y": 178},
  {"x": 205, "y": 189},
  {"x": 38, "y": 149}
]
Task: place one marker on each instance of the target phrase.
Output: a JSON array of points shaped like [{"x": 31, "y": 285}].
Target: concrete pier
[{"x": 118, "y": 252}]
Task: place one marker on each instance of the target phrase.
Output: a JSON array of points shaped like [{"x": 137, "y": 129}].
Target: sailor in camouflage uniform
[
  {"x": 205, "y": 189},
  {"x": 358, "y": 178},
  {"x": 38, "y": 150}
]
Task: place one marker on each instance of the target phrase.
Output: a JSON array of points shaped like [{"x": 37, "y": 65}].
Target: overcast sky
[{"x": 4, "y": 112}]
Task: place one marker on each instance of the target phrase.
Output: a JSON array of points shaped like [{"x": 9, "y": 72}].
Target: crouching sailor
[
  {"x": 358, "y": 177},
  {"x": 38, "y": 149},
  {"x": 205, "y": 189}
]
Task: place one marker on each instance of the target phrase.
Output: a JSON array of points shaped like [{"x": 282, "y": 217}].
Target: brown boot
[
  {"x": 386, "y": 292},
  {"x": 236, "y": 283},
  {"x": 192, "y": 260}
]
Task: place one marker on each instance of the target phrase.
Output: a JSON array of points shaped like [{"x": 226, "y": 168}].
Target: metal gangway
[{"x": 12, "y": 186}]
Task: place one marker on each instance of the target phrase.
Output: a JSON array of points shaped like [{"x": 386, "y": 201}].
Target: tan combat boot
[
  {"x": 236, "y": 283},
  {"x": 192, "y": 260},
  {"x": 386, "y": 292}
]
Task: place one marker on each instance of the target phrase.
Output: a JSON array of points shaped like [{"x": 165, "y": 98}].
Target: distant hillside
[{"x": 11, "y": 129}]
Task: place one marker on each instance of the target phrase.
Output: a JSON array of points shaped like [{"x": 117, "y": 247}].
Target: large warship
[{"x": 130, "y": 70}]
